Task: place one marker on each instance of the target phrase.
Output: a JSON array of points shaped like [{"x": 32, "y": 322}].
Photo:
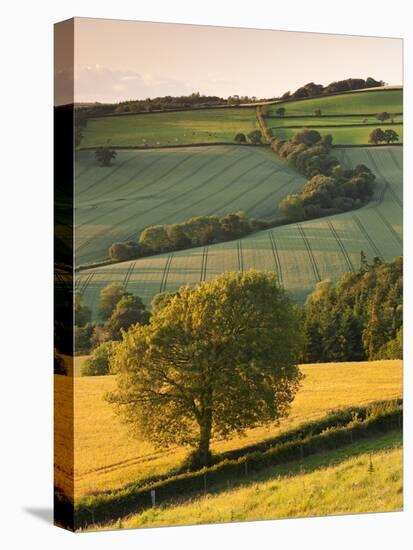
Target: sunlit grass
[
  {"x": 369, "y": 481},
  {"x": 107, "y": 458}
]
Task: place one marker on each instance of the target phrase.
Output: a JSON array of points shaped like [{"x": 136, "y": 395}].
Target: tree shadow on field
[{"x": 44, "y": 514}]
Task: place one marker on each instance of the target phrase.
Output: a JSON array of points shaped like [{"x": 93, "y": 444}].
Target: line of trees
[
  {"x": 379, "y": 136},
  {"x": 198, "y": 231},
  {"x": 312, "y": 90},
  {"x": 359, "y": 318},
  {"x": 330, "y": 188}
]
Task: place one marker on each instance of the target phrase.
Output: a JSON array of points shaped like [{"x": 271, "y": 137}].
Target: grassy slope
[
  {"x": 336, "y": 482},
  {"x": 107, "y": 458},
  {"x": 371, "y": 102},
  {"x": 334, "y": 243},
  {"x": 163, "y": 129},
  {"x": 165, "y": 186}
]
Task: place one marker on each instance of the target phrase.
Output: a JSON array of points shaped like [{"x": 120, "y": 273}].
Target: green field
[
  {"x": 302, "y": 254},
  {"x": 172, "y": 185},
  {"x": 342, "y": 135},
  {"x": 166, "y": 129},
  {"x": 368, "y": 102},
  {"x": 361, "y": 478},
  {"x": 315, "y": 121}
]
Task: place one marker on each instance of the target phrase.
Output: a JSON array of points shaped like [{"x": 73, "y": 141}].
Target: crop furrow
[
  {"x": 388, "y": 225},
  {"x": 276, "y": 257},
  {"x": 340, "y": 245},
  {"x": 364, "y": 232},
  {"x": 310, "y": 253}
]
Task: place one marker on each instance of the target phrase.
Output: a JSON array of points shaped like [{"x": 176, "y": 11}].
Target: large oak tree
[{"x": 215, "y": 360}]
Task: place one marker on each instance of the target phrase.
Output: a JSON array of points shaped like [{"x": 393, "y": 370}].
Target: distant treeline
[
  {"x": 197, "y": 100},
  {"x": 165, "y": 103},
  {"x": 313, "y": 90},
  {"x": 330, "y": 188},
  {"x": 359, "y": 318}
]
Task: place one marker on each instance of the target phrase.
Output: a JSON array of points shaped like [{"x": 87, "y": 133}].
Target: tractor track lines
[
  {"x": 239, "y": 257},
  {"x": 144, "y": 187},
  {"x": 310, "y": 253},
  {"x": 158, "y": 206},
  {"x": 364, "y": 232},
  {"x": 389, "y": 226},
  {"x": 83, "y": 287},
  {"x": 106, "y": 176},
  {"x": 386, "y": 181},
  {"x": 128, "y": 275},
  {"x": 204, "y": 264},
  {"x": 204, "y": 182},
  {"x": 340, "y": 245},
  {"x": 165, "y": 273},
  {"x": 276, "y": 256}
]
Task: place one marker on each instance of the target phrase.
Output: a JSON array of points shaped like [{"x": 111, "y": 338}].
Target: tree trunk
[{"x": 204, "y": 440}]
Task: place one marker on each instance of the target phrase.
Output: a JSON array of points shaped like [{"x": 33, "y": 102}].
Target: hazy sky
[{"x": 118, "y": 60}]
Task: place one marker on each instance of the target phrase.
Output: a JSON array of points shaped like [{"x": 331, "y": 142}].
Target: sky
[{"x": 120, "y": 60}]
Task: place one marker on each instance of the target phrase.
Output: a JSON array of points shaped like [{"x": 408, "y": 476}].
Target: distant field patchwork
[
  {"x": 390, "y": 100},
  {"x": 302, "y": 254},
  {"x": 172, "y": 185},
  {"x": 166, "y": 129}
]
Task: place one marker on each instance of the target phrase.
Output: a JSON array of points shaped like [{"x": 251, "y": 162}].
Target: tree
[
  {"x": 255, "y": 137},
  {"x": 155, "y": 239},
  {"x": 317, "y": 112},
  {"x": 390, "y": 136},
  {"x": 280, "y": 111},
  {"x": 82, "y": 313},
  {"x": 235, "y": 225},
  {"x": 376, "y": 136},
  {"x": 217, "y": 359},
  {"x": 98, "y": 364},
  {"x": 178, "y": 237},
  {"x": 240, "y": 138},
  {"x": 108, "y": 300},
  {"x": 130, "y": 310},
  {"x": 104, "y": 156},
  {"x": 382, "y": 116},
  {"x": 124, "y": 251},
  {"x": 306, "y": 136},
  {"x": 293, "y": 208}
]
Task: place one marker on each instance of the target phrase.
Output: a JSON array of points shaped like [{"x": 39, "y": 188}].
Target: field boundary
[{"x": 341, "y": 429}]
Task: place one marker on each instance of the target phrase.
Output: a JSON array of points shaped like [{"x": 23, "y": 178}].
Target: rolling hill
[
  {"x": 302, "y": 254},
  {"x": 172, "y": 185}
]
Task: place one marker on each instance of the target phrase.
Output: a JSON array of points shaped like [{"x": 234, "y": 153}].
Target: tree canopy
[{"x": 215, "y": 359}]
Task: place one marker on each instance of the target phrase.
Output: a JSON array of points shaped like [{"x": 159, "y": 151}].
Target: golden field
[{"x": 106, "y": 457}]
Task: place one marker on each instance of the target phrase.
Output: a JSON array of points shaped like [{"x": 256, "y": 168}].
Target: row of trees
[
  {"x": 198, "y": 231},
  {"x": 330, "y": 188},
  {"x": 312, "y": 90},
  {"x": 378, "y": 136},
  {"x": 359, "y": 318},
  {"x": 255, "y": 137}
]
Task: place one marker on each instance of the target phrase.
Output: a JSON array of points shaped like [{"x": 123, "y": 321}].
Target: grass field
[
  {"x": 302, "y": 254},
  {"x": 314, "y": 121},
  {"x": 342, "y": 135},
  {"x": 107, "y": 458},
  {"x": 361, "y": 478},
  {"x": 166, "y": 186},
  {"x": 163, "y": 129},
  {"x": 368, "y": 102}
]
